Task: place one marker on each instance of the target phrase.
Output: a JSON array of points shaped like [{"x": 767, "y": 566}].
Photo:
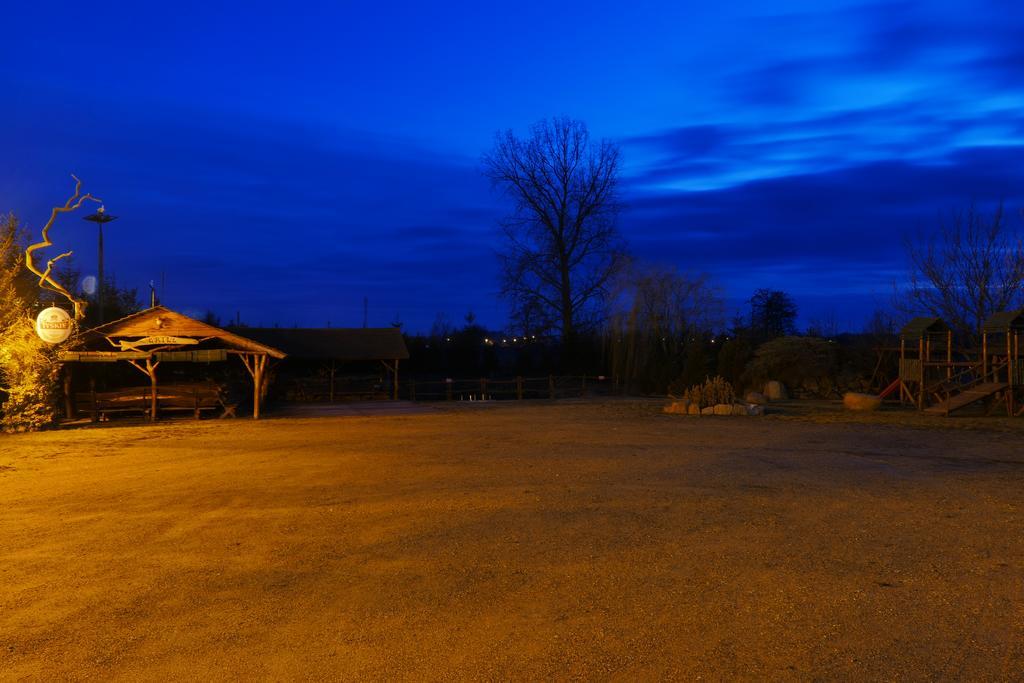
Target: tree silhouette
[
  {"x": 972, "y": 268},
  {"x": 772, "y": 314},
  {"x": 562, "y": 244}
]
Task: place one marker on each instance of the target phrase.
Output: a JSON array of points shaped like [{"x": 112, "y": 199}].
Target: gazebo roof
[
  {"x": 159, "y": 321},
  {"x": 923, "y": 326},
  {"x": 335, "y": 343},
  {"x": 1005, "y": 320}
]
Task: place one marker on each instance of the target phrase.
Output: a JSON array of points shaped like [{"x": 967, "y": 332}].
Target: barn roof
[
  {"x": 161, "y": 321},
  {"x": 337, "y": 343},
  {"x": 1005, "y": 320},
  {"x": 919, "y": 327}
]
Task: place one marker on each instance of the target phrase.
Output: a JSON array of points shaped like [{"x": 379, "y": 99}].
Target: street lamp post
[{"x": 99, "y": 218}]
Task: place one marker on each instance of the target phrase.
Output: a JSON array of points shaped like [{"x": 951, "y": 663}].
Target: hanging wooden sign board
[{"x": 159, "y": 340}]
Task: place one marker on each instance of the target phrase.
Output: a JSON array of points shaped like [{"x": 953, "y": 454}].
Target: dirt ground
[{"x": 568, "y": 541}]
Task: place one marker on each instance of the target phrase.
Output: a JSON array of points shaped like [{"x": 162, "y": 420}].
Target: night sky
[{"x": 284, "y": 160}]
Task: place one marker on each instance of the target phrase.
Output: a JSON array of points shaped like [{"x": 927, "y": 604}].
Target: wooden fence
[
  {"x": 328, "y": 390},
  {"x": 370, "y": 388},
  {"x": 507, "y": 389}
]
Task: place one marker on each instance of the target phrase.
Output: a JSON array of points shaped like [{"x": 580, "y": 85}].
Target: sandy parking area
[{"x": 525, "y": 542}]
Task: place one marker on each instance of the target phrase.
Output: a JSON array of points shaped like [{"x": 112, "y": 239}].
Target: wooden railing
[{"x": 971, "y": 375}]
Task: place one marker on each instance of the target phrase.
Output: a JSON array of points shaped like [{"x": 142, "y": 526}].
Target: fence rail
[
  {"x": 505, "y": 389},
  {"x": 326, "y": 390}
]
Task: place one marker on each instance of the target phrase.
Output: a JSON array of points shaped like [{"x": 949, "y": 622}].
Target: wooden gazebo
[{"x": 159, "y": 335}]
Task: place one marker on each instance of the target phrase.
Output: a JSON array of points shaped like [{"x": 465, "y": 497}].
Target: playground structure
[{"x": 939, "y": 379}]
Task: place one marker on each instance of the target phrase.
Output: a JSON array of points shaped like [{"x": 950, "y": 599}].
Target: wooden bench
[
  {"x": 194, "y": 398},
  {"x": 189, "y": 397}
]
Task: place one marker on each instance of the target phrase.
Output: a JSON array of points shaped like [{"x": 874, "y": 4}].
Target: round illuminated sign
[{"x": 53, "y": 325}]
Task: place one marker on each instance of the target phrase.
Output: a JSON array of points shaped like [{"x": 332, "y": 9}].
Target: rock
[
  {"x": 723, "y": 409},
  {"x": 754, "y": 411},
  {"x": 677, "y": 407},
  {"x": 710, "y": 410},
  {"x": 756, "y": 397},
  {"x": 867, "y": 402},
  {"x": 739, "y": 409},
  {"x": 775, "y": 391},
  {"x": 694, "y": 409}
]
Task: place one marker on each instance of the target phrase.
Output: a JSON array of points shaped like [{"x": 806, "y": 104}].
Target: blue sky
[{"x": 286, "y": 160}]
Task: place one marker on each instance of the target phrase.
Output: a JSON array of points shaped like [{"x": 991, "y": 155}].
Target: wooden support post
[
  {"x": 583, "y": 387},
  {"x": 551, "y": 387},
  {"x": 260, "y": 363},
  {"x": 519, "y": 387},
  {"x": 1010, "y": 353},
  {"x": 69, "y": 404},
  {"x": 483, "y": 388},
  {"x": 92, "y": 400},
  {"x": 903, "y": 358},
  {"x": 1017, "y": 352},
  {"x": 255, "y": 364},
  {"x": 984, "y": 354},
  {"x": 332, "y": 381},
  {"x": 412, "y": 390},
  {"x": 150, "y": 371},
  {"x": 396, "y": 380},
  {"x": 920, "y": 378},
  {"x": 949, "y": 355}
]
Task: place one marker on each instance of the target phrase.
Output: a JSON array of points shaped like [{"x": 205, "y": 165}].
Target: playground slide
[{"x": 891, "y": 388}]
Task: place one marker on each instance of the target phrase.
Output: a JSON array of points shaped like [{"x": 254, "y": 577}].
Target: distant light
[{"x": 89, "y": 284}]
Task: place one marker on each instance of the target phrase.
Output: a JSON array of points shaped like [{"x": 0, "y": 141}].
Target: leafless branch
[{"x": 46, "y": 280}]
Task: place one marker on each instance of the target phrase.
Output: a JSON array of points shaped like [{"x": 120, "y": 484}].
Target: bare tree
[
  {"x": 666, "y": 302},
  {"x": 971, "y": 268},
  {"x": 659, "y": 313},
  {"x": 563, "y": 247}
]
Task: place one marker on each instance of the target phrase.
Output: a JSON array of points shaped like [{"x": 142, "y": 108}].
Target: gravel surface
[{"x": 532, "y": 542}]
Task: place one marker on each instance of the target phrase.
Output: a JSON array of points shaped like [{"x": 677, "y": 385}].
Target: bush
[
  {"x": 28, "y": 375},
  {"x": 795, "y": 361},
  {"x": 28, "y": 368}
]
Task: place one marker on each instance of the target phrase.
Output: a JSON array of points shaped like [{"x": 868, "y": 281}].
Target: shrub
[
  {"x": 28, "y": 369},
  {"x": 28, "y": 376},
  {"x": 713, "y": 391},
  {"x": 794, "y": 361}
]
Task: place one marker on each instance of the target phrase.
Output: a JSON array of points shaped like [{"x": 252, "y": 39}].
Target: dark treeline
[
  {"x": 668, "y": 336},
  {"x": 570, "y": 281}
]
